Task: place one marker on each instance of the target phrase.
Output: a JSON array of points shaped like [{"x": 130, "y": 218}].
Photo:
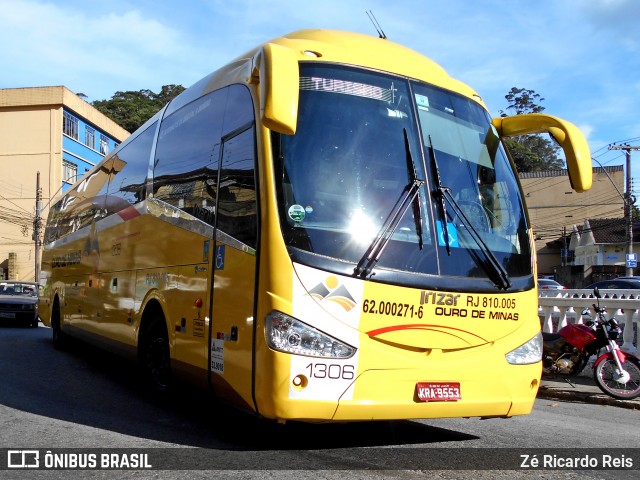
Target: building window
[
  {"x": 90, "y": 137},
  {"x": 104, "y": 145},
  {"x": 70, "y": 125},
  {"x": 69, "y": 172}
]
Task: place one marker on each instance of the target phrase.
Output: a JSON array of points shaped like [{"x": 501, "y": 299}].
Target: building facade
[
  {"x": 555, "y": 209},
  {"x": 49, "y": 137},
  {"x": 603, "y": 242}
]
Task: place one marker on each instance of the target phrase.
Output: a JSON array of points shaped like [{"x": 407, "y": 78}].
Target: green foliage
[
  {"x": 531, "y": 153},
  {"x": 523, "y": 101},
  {"x": 132, "y": 109}
]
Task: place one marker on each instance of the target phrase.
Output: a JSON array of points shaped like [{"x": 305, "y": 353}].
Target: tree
[
  {"x": 531, "y": 153},
  {"x": 132, "y": 109},
  {"x": 523, "y": 101}
]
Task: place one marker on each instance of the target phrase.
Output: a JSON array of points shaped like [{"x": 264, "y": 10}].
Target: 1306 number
[{"x": 332, "y": 371}]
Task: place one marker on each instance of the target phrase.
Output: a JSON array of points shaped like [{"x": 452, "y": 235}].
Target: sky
[{"x": 581, "y": 56}]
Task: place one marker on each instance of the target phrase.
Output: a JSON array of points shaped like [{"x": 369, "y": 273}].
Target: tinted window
[
  {"x": 81, "y": 205},
  {"x": 239, "y": 109},
  {"x": 237, "y": 211},
  {"x": 128, "y": 172},
  {"x": 116, "y": 183},
  {"x": 187, "y": 156}
]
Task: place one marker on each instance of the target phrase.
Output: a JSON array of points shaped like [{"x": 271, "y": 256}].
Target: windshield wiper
[
  {"x": 491, "y": 265},
  {"x": 413, "y": 179},
  {"x": 440, "y": 189},
  {"x": 390, "y": 225}
]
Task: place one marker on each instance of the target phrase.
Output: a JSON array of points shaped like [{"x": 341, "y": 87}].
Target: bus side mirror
[
  {"x": 570, "y": 138},
  {"x": 276, "y": 70}
]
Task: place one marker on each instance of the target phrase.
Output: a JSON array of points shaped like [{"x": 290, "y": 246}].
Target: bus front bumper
[{"x": 391, "y": 395}]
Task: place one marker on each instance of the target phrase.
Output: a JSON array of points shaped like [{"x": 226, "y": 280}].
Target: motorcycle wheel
[{"x": 605, "y": 377}]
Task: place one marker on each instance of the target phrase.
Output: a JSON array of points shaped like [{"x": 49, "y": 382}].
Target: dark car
[
  {"x": 19, "y": 303},
  {"x": 616, "y": 283}
]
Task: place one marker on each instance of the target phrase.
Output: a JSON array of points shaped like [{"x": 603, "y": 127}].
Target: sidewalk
[{"x": 581, "y": 389}]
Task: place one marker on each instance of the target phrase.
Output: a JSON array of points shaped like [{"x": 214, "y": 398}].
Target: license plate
[
  {"x": 438, "y": 392},
  {"x": 7, "y": 315}
]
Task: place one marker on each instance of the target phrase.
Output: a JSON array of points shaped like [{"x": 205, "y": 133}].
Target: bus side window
[
  {"x": 83, "y": 204},
  {"x": 237, "y": 203},
  {"x": 237, "y": 210},
  {"x": 128, "y": 174},
  {"x": 54, "y": 228},
  {"x": 185, "y": 171}
]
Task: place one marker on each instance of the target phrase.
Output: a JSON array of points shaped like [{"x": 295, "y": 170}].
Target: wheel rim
[{"x": 626, "y": 385}]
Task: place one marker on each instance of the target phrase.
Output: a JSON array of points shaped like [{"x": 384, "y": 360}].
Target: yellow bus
[{"x": 328, "y": 228}]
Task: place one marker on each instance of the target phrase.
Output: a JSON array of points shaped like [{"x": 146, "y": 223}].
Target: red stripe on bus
[{"x": 128, "y": 213}]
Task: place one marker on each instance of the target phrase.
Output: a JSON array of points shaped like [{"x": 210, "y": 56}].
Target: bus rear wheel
[{"x": 155, "y": 357}]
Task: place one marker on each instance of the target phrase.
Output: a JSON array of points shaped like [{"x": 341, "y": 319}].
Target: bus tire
[
  {"x": 59, "y": 338},
  {"x": 155, "y": 357}
]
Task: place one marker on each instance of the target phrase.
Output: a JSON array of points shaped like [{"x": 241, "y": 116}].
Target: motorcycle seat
[{"x": 550, "y": 337}]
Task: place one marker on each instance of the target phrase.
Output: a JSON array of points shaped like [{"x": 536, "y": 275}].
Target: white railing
[{"x": 556, "y": 308}]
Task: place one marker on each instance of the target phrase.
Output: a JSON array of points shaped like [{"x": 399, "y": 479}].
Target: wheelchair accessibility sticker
[
  {"x": 453, "y": 234},
  {"x": 219, "y": 257}
]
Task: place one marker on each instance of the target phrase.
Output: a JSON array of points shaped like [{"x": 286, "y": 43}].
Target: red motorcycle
[{"x": 567, "y": 353}]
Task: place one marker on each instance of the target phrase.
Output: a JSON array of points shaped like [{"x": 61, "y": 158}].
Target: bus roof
[
  {"x": 333, "y": 46},
  {"x": 320, "y": 45},
  {"x": 372, "y": 52}
]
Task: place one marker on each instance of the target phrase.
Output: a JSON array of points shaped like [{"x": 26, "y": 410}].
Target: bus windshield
[{"x": 411, "y": 175}]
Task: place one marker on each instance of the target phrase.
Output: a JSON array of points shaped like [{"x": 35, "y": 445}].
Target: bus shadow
[{"x": 92, "y": 387}]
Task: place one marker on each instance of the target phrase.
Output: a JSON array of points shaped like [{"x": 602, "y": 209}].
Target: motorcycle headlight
[
  {"x": 289, "y": 335},
  {"x": 530, "y": 352}
]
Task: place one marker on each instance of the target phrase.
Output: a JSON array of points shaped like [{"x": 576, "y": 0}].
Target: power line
[{"x": 548, "y": 220}]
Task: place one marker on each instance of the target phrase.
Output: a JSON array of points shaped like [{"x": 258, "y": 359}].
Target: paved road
[{"x": 86, "y": 399}]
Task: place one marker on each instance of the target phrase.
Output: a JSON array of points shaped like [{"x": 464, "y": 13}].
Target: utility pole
[
  {"x": 629, "y": 201},
  {"x": 564, "y": 246},
  {"x": 37, "y": 223}
]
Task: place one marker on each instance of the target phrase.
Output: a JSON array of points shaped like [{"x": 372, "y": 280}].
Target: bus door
[
  {"x": 186, "y": 297},
  {"x": 234, "y": 267}
]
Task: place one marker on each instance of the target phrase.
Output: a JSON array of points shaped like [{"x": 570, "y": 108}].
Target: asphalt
[{"x": 581, "y": 388}]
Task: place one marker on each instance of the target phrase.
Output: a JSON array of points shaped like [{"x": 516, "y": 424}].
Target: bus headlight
[
  {"x": 289, "y": 335},
  {"x": 530, "y": 352}
]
